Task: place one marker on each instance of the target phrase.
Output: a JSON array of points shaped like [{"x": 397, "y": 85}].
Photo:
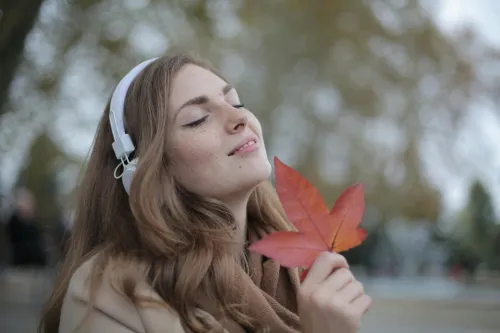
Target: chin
[
  {"x": 263, "y": 172},
  {"x": 255, "y": 174},
  {"x": 260, "y": 168}
]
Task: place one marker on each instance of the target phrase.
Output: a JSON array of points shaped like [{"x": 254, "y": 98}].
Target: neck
[{"x": 239, "y": 210}]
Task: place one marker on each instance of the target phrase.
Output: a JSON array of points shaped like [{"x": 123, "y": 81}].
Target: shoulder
[{"x": 106, "y": 309}]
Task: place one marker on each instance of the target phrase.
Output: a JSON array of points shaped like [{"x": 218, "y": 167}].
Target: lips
[{"x": 244, "y": 144}]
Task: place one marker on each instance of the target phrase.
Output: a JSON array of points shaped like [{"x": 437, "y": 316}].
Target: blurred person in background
[
  {"x": 24, "y": 235},
  {"x": 172, "y": 195},
  {"x": 4, "y": 240}
]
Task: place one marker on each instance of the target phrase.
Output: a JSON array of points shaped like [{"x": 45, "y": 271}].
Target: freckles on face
[{"x": 197, "y": 160}]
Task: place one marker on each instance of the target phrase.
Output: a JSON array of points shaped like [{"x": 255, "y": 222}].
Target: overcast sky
[{"x": 478, "y": 143}]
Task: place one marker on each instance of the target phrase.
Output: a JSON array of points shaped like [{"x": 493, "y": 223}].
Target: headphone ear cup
[{"x": 128, "y": 174}]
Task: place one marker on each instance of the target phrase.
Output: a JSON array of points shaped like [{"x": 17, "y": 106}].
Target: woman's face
[{"x": 216, "y": 145}]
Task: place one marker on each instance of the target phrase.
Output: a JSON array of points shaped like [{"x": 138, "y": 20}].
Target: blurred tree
[
  {"x": 483, "y": 219},
  {"x": 346, "y": 91},
  {"x": 495, "y": 250},
  {"x": 43, "y": 163},
  {"x": 17, "y": 19},
  {"x": 372, "y": 78},
  {"x": 474, "y": 240}
]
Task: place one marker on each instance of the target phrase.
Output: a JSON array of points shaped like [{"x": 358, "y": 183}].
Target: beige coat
[{"x": 112, "y": 312}]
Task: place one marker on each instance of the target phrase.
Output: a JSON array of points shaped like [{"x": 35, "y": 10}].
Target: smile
[{"x": 248, "y": 146}]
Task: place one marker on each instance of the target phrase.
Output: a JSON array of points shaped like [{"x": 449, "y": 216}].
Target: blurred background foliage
[{"x": 347, "y": 91}]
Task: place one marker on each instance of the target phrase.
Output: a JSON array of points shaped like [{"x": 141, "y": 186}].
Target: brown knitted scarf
[{"x": 270, "y": 294}]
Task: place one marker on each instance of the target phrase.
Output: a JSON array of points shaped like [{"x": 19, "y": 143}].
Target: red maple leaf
[{"x": 318, "y": 228}]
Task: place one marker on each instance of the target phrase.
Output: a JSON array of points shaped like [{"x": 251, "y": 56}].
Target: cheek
[{"x": 195, "y": 158}]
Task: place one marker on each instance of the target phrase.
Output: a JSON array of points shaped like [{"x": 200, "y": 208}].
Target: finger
[
  {"x": 323, "y": 267},
  {"x": 350, "y": 292},
  {"x": 338, "y": 280},
  {"x": 362, "y": 304}
]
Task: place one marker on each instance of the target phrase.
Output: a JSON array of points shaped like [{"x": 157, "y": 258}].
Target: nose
[{"x": 236, "y": 120}]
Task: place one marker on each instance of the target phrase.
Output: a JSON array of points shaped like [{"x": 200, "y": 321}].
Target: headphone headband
[{"x": 123, "y": 145}]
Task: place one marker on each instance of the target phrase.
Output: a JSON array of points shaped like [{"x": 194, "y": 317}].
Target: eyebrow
[{"x": 203, "y": 99}]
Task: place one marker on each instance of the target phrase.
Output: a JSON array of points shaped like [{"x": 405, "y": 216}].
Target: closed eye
[
  {"x": 197, "y": 122},
  {"x": 200, "y": 121}
]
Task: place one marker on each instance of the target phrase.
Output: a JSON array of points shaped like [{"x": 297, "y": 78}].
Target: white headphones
[{"x": 122, "y": 145}]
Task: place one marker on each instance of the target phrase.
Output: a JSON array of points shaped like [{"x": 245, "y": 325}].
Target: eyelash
[
  {"x": 197, "y": 122},
  {"x": 202, "y": 120}
]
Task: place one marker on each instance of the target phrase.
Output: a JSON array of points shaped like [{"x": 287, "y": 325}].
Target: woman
[{"x": 164, "y": 249}]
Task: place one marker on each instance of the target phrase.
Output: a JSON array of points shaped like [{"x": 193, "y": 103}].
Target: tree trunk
[{"x": 17, "y": 18}]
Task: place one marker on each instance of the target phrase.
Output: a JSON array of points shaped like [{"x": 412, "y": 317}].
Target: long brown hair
[{"x": 160, "y": 226}]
